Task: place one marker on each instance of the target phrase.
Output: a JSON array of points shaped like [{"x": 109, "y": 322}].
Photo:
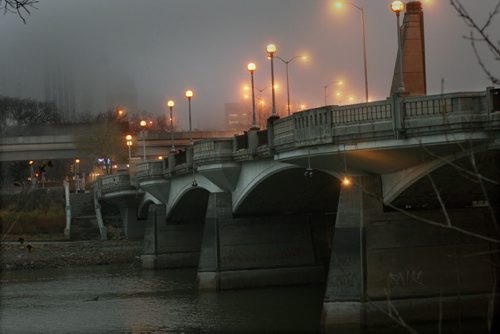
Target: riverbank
[{"x": 60, "y": 254}]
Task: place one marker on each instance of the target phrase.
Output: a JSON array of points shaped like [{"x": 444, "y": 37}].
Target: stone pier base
[{"x": 170, "y": 245}]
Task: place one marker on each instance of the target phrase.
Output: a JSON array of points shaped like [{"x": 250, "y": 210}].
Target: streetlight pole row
[
  {"x": 287, "y": 81},
  {"x": 339, "y": 4}
]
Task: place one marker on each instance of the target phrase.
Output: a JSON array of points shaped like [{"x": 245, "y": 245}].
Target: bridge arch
[
  {"x": 394, "y": 184},
  {"x": 182, "y": 191},
  {"x": 147, "y": 200},
  {"x": 270, "y": 187}
]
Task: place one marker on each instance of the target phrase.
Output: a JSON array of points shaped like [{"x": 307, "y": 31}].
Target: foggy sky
[{"x": 156, "y": 49}]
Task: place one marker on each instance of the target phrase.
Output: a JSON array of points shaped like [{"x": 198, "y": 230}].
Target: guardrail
[
  {"x": 114, "y": 183},
  {"x": 388, "y": 119},
  {"x": 150, "y": 169},
  {"x": 213, "y": 150}
]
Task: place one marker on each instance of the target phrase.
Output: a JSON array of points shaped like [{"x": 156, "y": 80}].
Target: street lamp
[
  {"x": 251, "y": 68},
  {"x": 77, "y": 174},
  {"x": 287, "y": 82},
  {"x": 338, "y": 82},
  {"x": 143, "y": 125},
  {"x": 397, "y": 7},
  {"x": 128, "y": 138},
  {"x": 271, "y": 50},
  {"x": 171, "y": 105},
  {"x": 339, "y": 4},
  {"x": 189, "y": 95}
]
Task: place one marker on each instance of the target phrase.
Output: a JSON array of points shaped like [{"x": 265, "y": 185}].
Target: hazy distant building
[
  {"x": 238, "y": 117},
  {"x": 59, "y": 88},
  {"x": 121, "y": 92}
]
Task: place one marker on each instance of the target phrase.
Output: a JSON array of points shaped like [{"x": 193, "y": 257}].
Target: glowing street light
[
  {"x": 128, "y": 138},
  {"x": 338, "y": 82},
  {"x": 251, "y": 67},
  {"x": 346, "y": 181},
  {"x": 143, "y": 125},
  {"x": 287, "y": 82},
  {"x": 339, "y": 5},
  {"x": 397, "y": 7},
  {"x": 271, "y": 50},
  {"x": 189, "y": 95},
  {"x": 171, "y": 105},
  {"x": 77, "y": 174}
]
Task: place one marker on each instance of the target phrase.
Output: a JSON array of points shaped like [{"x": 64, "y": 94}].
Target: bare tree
[
  {"x": 19, "y": 7},
  {"x": 479, "y": 33},
  {"x": 105, "y": 139},
  {"x": 25, "y": 112}
]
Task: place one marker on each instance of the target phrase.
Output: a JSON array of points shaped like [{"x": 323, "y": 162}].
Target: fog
[{"x": 138, "y": 54}]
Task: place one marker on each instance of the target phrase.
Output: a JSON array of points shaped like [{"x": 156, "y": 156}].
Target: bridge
[
  {"x": 393, "y": 204},
  {"x": 64, "y": 142}
]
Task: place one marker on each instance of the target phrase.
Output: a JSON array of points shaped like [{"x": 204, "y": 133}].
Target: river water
[{"x": 134, "y": 300}]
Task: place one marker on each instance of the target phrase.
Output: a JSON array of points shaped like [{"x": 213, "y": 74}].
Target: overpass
[
  {"x": 412, "y": 231},
  {"x": 61, "y": 142}
]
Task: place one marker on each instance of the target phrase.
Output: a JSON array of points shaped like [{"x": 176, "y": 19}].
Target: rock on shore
[{"x": 52, "y": 254}]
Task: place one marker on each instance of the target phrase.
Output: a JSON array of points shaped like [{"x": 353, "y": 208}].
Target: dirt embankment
[{"x": 53, "y": 254}]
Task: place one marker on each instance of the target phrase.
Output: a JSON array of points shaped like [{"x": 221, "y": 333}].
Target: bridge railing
[
  {"x": 213, "y": 150},
  {"x": 150, "y": 169},
  {"x": 434, "y": 105},
  {"x": 362, "y": 113},
  {"x": 445, "y": 113},
  {"x": 113, "y": 183}
]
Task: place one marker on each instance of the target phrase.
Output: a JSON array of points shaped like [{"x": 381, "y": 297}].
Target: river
[{"x": 134, "y": 300}]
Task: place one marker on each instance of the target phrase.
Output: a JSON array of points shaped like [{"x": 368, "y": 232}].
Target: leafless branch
[
  {"x": 485, "y": 193},
  {"x": 460, "y": 168},
  {"x": 441, "y": 203},
  {"x": 19, "y": 7},
  {"x": 492, "y": 78},
  {"x": 484, "y": 37},
  {"x": 428, "y": 221},
  {"x": 393, "y": 313}
]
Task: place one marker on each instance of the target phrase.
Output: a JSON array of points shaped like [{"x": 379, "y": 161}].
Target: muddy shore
[{"x": 60, "y": 254}]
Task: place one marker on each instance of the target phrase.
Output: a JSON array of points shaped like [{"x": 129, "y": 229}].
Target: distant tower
[
  {"x": 60, "y": 89},
  {"x": 413, "y": 45}
]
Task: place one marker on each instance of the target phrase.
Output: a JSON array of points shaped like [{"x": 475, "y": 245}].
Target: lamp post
[
  {"x": 338, "y": 82},
  {"x": 189, "y": 95},
  {"x": 143, "y": 125},
  {"x": 32, "y": 174},
  {"x": 128, "y": 138},
  {"x": 251, "y": 68},
  {"x": 339, "y": 4},
  {"x": 287, "y": 82},
  {"x": 171, "y": 105},
  {"x": 77, "y": 174},
  {"x": 397, "y": 7},
  {"x": 271, "y": 50}
]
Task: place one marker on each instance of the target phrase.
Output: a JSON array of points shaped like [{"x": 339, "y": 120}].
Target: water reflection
[{"x": 133, "y": 300}]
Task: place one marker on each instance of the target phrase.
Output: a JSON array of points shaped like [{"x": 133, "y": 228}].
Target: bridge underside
[{"x": 292, "y": 191}]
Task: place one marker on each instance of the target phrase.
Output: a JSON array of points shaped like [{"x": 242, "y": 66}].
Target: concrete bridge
[
  {"x": 415, "y": 231},
  {"x": 62, "y": 142}
]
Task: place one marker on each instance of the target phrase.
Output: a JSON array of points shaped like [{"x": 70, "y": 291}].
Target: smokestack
[{"x": 413, "y": 45}]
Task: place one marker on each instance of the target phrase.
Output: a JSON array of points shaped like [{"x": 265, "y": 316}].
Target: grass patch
[{"x": 32, "y": 213}]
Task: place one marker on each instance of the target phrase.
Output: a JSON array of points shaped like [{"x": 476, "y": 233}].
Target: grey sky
[{"x": 159, "y": 48}]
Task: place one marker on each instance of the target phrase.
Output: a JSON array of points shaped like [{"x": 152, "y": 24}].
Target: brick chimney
[{"x": 413, "y": 45}]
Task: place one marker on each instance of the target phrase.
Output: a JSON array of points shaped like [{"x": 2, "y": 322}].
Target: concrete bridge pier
[
  {"x": 391, "y": 268},
  {"x": 132, "y": 227},
  {"x": 345, "y": 294},
  {"x": 168, "y": 244},
  {"x": 256, "y": 251}
]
